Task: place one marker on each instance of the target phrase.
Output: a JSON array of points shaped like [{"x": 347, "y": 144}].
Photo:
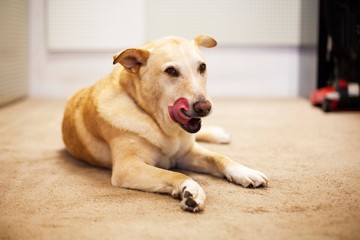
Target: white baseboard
[{"x": 245, "y": 72}]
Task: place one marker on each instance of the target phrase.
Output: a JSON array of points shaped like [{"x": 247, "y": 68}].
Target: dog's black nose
[{"x": 202, "y": 108}]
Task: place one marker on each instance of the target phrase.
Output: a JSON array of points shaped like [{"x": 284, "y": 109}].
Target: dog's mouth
[
  {"x": 178, "y": 114},
  {"x": 193, "y": 126}
]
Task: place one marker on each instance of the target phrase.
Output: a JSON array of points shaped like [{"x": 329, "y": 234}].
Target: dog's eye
[
  {"x": 202, "y": 68},
  {"x": 172, "y": 72}
]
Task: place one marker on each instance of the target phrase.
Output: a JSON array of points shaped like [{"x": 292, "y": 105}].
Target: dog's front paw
[
  {"x": 245, "y": 176},
  {"x": 192, "y": 196}
]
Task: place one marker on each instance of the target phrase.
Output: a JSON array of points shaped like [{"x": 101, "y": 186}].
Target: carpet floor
[{"x": 312, "y": 160}]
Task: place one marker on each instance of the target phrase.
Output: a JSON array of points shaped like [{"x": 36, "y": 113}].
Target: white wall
[
  {"x": 253, "y": 72},
  {"x": 232, "y": 22},
  {"x": 14, "y": 46},
  {"x": 261, "y": 71},
  {"x": 59, "y": 74},
  {"x": 94, "y": 25}
]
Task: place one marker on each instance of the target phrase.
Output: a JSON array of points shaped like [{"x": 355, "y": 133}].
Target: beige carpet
[{"x": 312, "y": 160}]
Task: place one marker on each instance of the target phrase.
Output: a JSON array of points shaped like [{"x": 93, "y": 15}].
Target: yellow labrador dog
[{"x": 140, "y": 119}]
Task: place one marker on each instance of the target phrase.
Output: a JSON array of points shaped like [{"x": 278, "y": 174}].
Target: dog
[{"x": 143, "y": 119}]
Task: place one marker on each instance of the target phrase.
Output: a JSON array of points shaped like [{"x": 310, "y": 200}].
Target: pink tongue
[{"x": 176, "y": 111}]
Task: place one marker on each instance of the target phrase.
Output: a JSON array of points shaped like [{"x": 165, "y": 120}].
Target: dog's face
[{"x": 171, "y": 77}]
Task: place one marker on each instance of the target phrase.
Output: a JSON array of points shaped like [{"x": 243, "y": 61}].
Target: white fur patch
[
  {"x": 245, "y": 176},
  {"x": 213, "y": 134},
  {"x": 190, "y": 59}
]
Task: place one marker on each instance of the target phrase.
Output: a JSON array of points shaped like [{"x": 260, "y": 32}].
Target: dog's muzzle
[{"x": 179, "y": 113}]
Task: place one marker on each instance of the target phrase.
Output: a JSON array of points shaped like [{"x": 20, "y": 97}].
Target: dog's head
[{"x": 168, "y": 78}]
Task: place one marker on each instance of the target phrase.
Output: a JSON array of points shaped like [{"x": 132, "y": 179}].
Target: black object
[
  {"x": 339, "y": 45},
  {"x": 339, "y": 41}
]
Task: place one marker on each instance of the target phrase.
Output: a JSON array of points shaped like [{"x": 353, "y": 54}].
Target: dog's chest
[{"x": 173, "y": 149}]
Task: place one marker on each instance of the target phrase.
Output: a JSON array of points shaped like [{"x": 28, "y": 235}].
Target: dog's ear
[
  {"x": 205, "y": 41},
  {"x": 132, "y": 58}
]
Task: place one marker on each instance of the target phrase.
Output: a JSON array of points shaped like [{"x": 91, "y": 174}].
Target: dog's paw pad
[
  {"x": 250, "y": 185},
  {"x": 193, "y": 197},
  {"x": 187, "y": 194},
  {"x": 191, "y": 203}
]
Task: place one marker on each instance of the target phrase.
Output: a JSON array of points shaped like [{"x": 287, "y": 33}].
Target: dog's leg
[
  {"x": 135, "y": 174},
  {"x": 213, "y": 134},
  {"x": 200, "y": 159}
]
